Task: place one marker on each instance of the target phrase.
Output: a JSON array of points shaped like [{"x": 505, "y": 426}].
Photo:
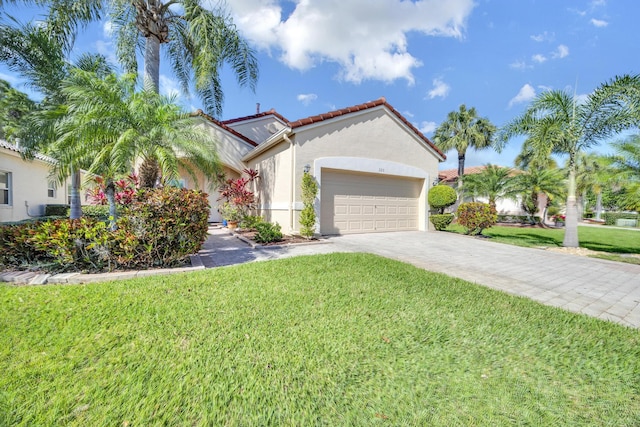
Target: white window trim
[
  {"x": 51, "y": 186},
  {"x": 9, "y": 189}
]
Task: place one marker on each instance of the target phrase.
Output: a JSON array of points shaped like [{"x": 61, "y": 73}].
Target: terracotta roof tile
[
  {"x": 13, "y": 147},
  {"x": 360, "y": 107},
  {"x": 204, "y": 115},
  {"x": 271, "y": 112},
  {"x": 451, "y": 175}
]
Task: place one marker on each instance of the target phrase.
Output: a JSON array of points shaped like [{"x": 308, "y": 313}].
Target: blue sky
[{"x": 425, "y": 57}]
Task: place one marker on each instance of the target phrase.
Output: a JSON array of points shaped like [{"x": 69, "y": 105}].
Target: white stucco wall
[{"x": 29, "y": 183}]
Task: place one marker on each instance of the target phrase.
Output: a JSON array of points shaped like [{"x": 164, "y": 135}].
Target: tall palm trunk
[
  {"x": 461, "y": 157},
  {"x": 571, "y": 220},
  {"x": 598, "y": 205},
  {"x": 152, "y": 63},
  {"x": 75, "y": 202}
]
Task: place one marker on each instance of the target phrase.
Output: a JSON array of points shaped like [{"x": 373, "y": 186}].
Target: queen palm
[
  {"x": 462, "y": 130},
  {"x": 111, "y": 125},
  {"x": 626, "y": 168},
  {"x": 556, "y": 123},
  {"x": 494, "y": 182},
  {"x": 530, "y": 184}
]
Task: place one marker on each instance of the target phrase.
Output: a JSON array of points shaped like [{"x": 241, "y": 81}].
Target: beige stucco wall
[
  {"x": 274, "y": 186},
  {"x": 29, "y": 183},
  {"x": 229, "y": 147},
  {"x": 259, "y": 129}
]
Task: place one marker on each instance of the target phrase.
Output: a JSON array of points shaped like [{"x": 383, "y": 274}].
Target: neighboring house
[
  {"x": 504, "y": 206},
  {"x": 373, "y": 167},
  {"x": 25, "y": 185}
]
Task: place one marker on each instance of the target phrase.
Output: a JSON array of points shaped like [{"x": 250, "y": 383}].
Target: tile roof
[
  {"x": 204, "y": 115},
  {"x": 360, "y": 107},
  {"x": 451, "y": 175},
  {"x": 271, "y": 112},
  {"x": 17, "y": 149}
]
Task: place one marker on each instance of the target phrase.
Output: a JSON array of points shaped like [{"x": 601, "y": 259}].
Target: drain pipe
[{"x": 292, "y": 179}]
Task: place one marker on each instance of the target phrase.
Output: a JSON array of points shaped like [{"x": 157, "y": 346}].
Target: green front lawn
[
  {"x": 340, "y": 339},
  {"x": 603, "y": 239}
]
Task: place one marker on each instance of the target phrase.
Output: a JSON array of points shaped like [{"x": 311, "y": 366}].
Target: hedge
[
  {"x": 160, "y": 228},
  {"x": 610, "y": 218}
]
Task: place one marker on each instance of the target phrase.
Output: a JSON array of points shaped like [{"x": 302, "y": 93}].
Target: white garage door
[{"x": 367, "y": 203}]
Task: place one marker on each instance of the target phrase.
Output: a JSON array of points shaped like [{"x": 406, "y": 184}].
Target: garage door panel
[{"x": 360, "y": 203}]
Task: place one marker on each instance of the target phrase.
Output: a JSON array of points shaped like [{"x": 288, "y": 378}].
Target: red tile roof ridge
[
  {"x": 271, "y": 112},
  {"x": 204, "y": 115}
]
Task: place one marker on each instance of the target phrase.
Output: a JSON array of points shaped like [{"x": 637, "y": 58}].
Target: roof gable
[
  {"x": 366, "y": 106},
  {"x": 200, "y": 113}
]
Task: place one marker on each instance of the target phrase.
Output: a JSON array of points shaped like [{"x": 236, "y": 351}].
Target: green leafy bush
[
  {"x": 518, "y": 219},
  {"x": 441, "y": 197},
  {"x": 250, "y": 222},
  {"x": 308, "y": 215},
  {"x": 268, "y": 232},
  {"x": 610, "y": 218},
  {"x": 161, "y": 228},
  {"x": 56, "y": 210},
  {"x": 97, "y": 212},
  {"x": 440, "y": 221},
  {"x": 476, "y": 216}
]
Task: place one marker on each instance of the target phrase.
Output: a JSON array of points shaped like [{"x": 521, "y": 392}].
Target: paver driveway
[{"x": 600, "y": 288}]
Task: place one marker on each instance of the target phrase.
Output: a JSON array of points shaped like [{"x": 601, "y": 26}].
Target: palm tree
[
  {"x": 14, "y": 106},
  {"x": 556, "y": 123},
  {"x": 530, "y": 184},
  {"x": 494, "y": 182},
  {"x": 111, "y": 125},
  {"x": 593, "y": 173},
  {"x": 626, "y": 167},
  {"x": 199, "y": 42},
  {"x": 462, "y": 130},
  {"x": 39, "y": 54}
]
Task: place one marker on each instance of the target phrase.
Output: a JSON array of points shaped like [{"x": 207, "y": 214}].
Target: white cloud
[
  {"x": 526, "y": 94},
  {"x": 542, "y": 37},
  {"x": 169, "y": 86},
  {"x": 539, "y": 58},
  {"x": 440, "y": 88},
  {"x": 427, "y": 127},
  {"x": 106, "y": 49},
  {"x": 408, "y": 114},
  {"x": 307, "y": 98},
  {"x": 367, "y": 39},
  {"x": 561, "y": 52},
  {"x": 599, "y": 23},
  {"x": 544, "y": 88},
  {"x": 519, "y": 65},
  {"x": 107, "y": 29}
]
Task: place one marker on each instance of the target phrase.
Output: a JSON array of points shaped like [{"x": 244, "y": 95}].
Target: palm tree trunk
[
  {"x": 598, "y": 205},
  {"x": 152, "y": 63},
  {"x": 75, "y": 202},
  {"x": 571, "y": 220},
  {"x": 460, "y": 165},
  {"x": 110, "y": 192}
]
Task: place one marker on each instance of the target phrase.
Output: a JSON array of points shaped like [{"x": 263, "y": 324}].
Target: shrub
[
  {"x": 441, "y": 197},
  {"x": 161, "y": 227},
  {"x": 610, "y": 218},
  {"x": 56, "y": 210},
  {"x": 98, "y": 212},
  {"x": 308, "y": 214},
  {"x": 268, "y": 232},
  {"x": 440, "y": 221},
  {"x": 250, "y": 222},
  {"x": 476, "y": 216},
  {"x": 518, "y": 219}
]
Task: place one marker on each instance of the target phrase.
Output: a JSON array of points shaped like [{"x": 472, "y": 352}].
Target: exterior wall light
[{"x": 307, "y": 168}]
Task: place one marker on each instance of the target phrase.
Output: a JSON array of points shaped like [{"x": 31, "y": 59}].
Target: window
[
  {"x": 5, "y": 188},
  {"x": 51, "y": 189}
]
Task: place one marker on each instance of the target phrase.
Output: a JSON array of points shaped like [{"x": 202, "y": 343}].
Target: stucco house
[
  {"x": 373, "y": 167},
  {"x": 25, "y": 185}
]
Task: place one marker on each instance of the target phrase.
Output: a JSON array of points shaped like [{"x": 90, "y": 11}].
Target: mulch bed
[{"x": 286, "y": 240}]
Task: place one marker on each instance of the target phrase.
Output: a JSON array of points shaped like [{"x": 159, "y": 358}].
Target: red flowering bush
[
  {"x": 476, "y": 216},
  {"x": 236, "y": 195},
  {"x": 125, "y": 190}
]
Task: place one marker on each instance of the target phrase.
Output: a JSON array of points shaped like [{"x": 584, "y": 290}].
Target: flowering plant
[
  {"x": 125, "y": 190},
  {"x": 559, "y": 218},
  {"x": 239, "y": 200}
]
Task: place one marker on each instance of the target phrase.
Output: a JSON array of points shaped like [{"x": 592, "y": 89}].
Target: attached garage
[{"x": 353, "y": 202}]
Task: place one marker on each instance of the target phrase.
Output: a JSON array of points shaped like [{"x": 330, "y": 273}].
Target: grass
[
  {"x": 339, "y": 339},
  {"x": 603, "y": 239}
]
